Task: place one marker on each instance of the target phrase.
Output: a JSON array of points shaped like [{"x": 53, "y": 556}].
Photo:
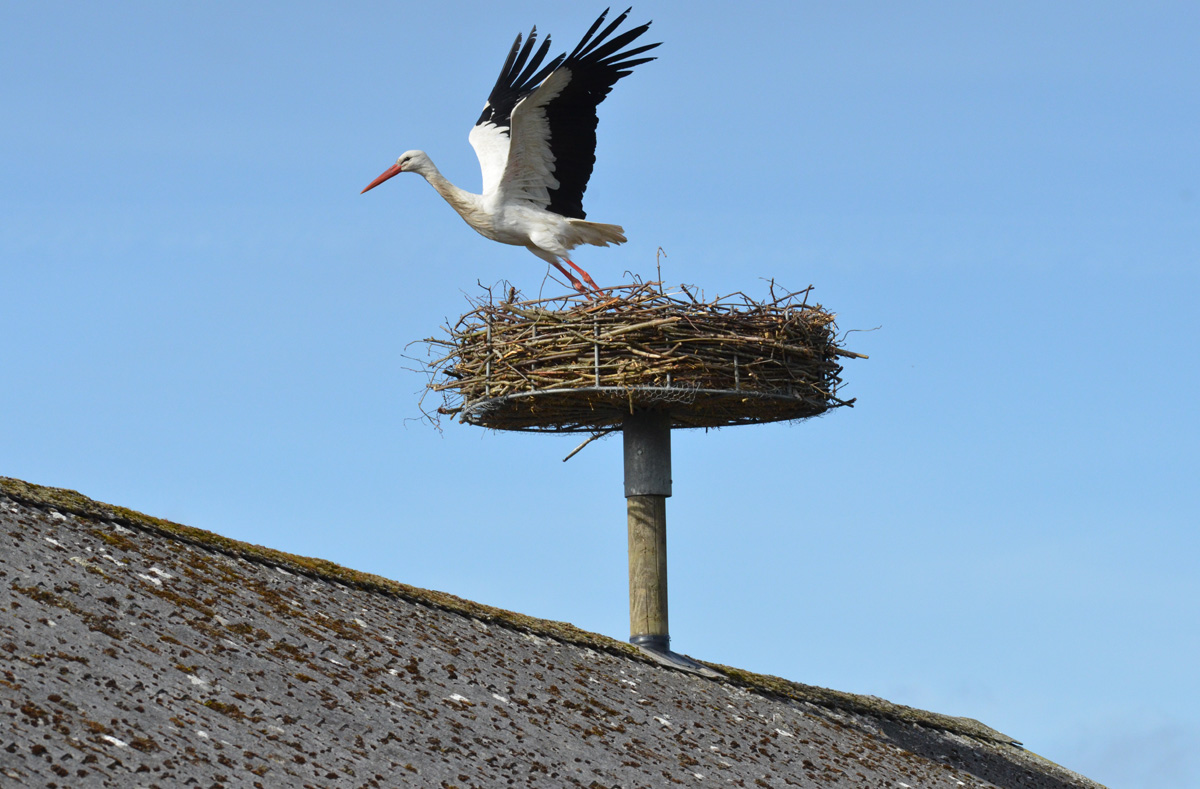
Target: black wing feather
[
  {"x": 591, "y": 30},
  {"x": 517, "y": 79},
  {"x": 595, "y": 65}
]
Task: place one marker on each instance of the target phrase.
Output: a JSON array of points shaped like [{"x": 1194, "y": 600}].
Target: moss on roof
[{"x": 70, "y": 501}]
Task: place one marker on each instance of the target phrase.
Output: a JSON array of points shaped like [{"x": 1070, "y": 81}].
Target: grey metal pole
[{"x": 647, "y": 439}]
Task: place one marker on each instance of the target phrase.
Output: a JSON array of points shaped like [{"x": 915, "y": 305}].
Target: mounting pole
[{"x": 647, "y": 486}]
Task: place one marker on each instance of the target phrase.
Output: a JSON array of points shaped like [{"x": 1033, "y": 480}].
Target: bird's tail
[{"x": 597, "y": 233}]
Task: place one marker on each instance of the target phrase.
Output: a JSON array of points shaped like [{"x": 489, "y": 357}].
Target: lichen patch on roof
[{"x": 135, "y": 651}]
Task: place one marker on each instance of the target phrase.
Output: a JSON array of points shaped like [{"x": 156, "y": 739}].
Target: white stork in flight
[{"x": 536, "y": 143}]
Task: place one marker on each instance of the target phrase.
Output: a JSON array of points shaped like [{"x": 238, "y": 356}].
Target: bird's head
[{"x": 409, "y": 161}]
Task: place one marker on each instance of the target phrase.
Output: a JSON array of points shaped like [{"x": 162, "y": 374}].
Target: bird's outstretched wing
[
  {"x": 519, "y": 77},
  {"x": 551, "y": 125}
]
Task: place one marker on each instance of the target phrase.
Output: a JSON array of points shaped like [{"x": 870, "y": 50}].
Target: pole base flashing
[
  {"x": 653, "y": 643},
  {"x": 655, "y": 648}
]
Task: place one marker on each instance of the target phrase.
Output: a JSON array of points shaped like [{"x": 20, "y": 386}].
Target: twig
[{"x": 590, "y": 439}]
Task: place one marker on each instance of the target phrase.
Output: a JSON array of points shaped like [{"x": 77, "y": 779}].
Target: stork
[{"x": 536, "y": 143}]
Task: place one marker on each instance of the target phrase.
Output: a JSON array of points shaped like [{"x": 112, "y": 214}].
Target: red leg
[
  {"x": 586, "y": 277},
  {"x": 574, "y": 282}
]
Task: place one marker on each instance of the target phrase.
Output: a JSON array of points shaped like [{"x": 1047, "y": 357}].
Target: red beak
[{"x": 386, "y": 174}]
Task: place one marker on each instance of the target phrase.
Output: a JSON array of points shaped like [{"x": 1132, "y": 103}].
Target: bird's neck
[{"x": 462, "y": 201}]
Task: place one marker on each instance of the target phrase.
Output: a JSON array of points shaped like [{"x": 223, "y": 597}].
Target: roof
[{"x": 138, "y": 650}]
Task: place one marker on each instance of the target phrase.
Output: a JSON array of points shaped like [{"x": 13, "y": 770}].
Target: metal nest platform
[
  {"x": 571, "y": 364},
  {"x": 599, "y": 407}
]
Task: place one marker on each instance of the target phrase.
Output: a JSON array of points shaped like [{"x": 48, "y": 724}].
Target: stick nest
[{"x": 570, "y": 364}]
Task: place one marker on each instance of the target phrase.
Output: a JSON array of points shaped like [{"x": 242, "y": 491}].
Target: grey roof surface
[{"x": 138, "y": 652}]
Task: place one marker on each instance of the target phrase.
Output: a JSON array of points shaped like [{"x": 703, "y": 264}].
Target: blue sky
[{"x": 205, "y": 321}]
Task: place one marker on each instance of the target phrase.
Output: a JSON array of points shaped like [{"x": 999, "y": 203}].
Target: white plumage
[{"x": 536, "y": 143}]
